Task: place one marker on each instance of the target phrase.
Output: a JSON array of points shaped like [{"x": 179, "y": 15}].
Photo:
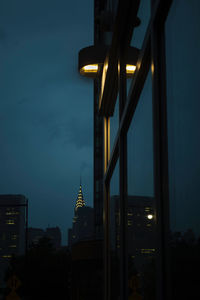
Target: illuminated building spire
[{"x": 80, "y": 201}]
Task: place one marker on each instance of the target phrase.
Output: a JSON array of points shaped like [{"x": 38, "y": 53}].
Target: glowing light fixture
[
  {"x": 150, "y": 217},
  {"x": 92, "y": 58},
  {"x": 89, "y": 60}
]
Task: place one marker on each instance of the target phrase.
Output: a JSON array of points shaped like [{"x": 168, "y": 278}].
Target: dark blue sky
[
  {"x": 46, "y": 109},
  {"x": 46, "y": 121}
]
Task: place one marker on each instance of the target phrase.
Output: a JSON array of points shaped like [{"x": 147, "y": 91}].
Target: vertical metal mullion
[
  {"x": 106, "y": 242},
  {"x": 123, "y": 185},
  {"x": 106, "y": 212},
  {"x": 161, "y": 184},
  {"x": 26, "y": 233}
]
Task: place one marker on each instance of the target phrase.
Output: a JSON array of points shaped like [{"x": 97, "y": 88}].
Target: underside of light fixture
[{"x": 91, "y": 59}]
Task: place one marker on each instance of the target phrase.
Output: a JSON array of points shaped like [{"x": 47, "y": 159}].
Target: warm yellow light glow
[
  {"x": 10, "y": 222},
  {"x": 93, "y": 68},
  {"x": 147, "y": 251},
  {"x": 130, "y": 69},
  {"x": 90, "y": 68},
  {"x": 150, "y": 217}
]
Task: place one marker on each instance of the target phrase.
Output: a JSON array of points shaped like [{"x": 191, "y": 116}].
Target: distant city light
[{"x": 150, "y": 217}]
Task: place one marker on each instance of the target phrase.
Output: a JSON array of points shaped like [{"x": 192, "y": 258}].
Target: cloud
[
  {"x": 3, "y": 35},
  {"x": 77, "y": 131}
]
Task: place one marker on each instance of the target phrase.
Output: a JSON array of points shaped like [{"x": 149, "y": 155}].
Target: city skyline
[{"x": 46, "y": 107}]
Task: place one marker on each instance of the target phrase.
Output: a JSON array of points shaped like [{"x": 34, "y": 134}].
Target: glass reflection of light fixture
[
  {"x": 130, "y": 69},
  {"x": 150, "y": 217},
  {"x": 92, "y": 58}
]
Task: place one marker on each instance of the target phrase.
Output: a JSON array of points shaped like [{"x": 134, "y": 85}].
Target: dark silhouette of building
[
  {"x": 52, "y": 233},
  {"x": 87, "y": 271},
  {"x": 34, "y": 235},
  {"x": 69, "y": 238},
  {"x": 13, "y": 228}
]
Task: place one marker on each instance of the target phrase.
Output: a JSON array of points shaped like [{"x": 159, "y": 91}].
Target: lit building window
[
  {"x": 13, "y": 236},
  {"x": 147, "y": 251},
  {"x": 147, "y": 209},
  {"x": 130, "y": 223},
  {"x": 13, "y": 246},
  {"x": 10, "y": 222},
  {"x": 7, "y": 256},
  {"x": 12, "y": 213}
]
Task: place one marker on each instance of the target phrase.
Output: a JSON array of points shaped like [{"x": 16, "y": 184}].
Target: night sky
[{"x": 46, "y": 108}]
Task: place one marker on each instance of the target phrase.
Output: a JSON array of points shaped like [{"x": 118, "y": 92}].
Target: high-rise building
[
  {"x": 13, "y": 222},
  {"x": 13, "y": 227},
  {"x": 140, "y": 227},
  {"x": 83, "y": 221},
  {"x": 80, "y": 201}
]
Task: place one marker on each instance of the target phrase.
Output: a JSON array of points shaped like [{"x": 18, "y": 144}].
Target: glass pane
[
  {"x": 140, "y": 202},
  {"x": 139, "y": 32},
  {"x": 144, "y": 16},
  {"x": 183, "y": 64},
  {"x": 114, "y": 234}
]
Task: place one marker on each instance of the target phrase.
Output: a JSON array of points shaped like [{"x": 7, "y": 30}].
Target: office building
[
  {"x": 140, "y": 225},
  {"x": 13, "y": 228},
  {"x": 148, "y": 103},
  {"x": 13, "y": 221}
]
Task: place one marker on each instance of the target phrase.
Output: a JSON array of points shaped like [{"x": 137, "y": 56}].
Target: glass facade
[
  {"x": 151, "y": 189},
  {"x": 144, "y": 14},
  {"x": 141, "y": 246},
  {"x": 114, "y": 226},
  {"x": 140, "y": 146},
  {"x": 183, "y": 106}
]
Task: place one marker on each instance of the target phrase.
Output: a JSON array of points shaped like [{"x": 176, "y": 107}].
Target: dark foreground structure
[
  {"x": 145, "y": 66},
  {"x": 87, "y": 271}
]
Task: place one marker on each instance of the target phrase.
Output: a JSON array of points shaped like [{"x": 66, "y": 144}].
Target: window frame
[{"x": 152, "y": 55}]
